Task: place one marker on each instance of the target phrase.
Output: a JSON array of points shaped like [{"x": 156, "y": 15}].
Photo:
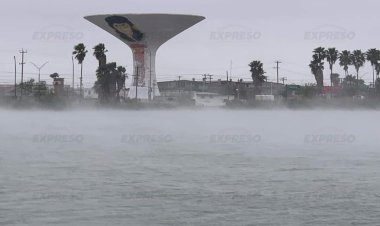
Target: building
[
  {"x": 59, "y": 84},
  {"x": 144, "y": 34},
  {"x": 230, "y": 89},
  {"x": 7, "y": 90}
]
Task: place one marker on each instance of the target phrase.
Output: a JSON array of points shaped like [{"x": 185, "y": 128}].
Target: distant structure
[
  {"x": 59, "y": 84},
  {"x": 144, "y": 34}
]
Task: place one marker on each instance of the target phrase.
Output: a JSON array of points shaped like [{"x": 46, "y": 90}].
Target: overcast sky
[{"x": 269, "y": 30}]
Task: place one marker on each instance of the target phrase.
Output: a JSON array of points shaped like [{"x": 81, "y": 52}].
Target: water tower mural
[{"x": 144, "y": 34}]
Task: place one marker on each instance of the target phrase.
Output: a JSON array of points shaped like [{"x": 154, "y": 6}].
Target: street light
[
  {"x": 39, "y": 69},
  {"x": 39, "y": 75}
]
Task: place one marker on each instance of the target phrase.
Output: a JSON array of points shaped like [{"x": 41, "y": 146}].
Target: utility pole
[
  {"x": 277, "y": 67},
  {"x": 14, "y": 57},
  {"x": 179, "y": 83},
  {"x": 283, "y": 79},
  {"x": 81, "y": 81},
  {"x": 228, "y": 88},
  {"x": 154, "y": 88},
  {"x": 204, "y": 82},
  {"x": 238, "y": 89},
  {"x": 204, "y": 77},
  {"x": 137, "y": 79},
  {"x": 150, "y": 77},
  {"x": 72, "y": 60},
  {"x": 210, "y": 77},
  {"x": 231, "y": 69},
  {"x": 22, "y": 70}
]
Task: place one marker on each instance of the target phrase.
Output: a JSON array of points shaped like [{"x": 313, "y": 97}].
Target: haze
[{"x": 282, "y": 30}]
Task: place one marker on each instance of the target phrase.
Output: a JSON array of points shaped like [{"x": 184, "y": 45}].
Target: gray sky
[{"x": 268, "y": 30}]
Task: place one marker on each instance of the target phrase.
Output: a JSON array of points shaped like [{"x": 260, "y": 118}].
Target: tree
[
  {"x": 120, "y": 80},
  {"x": 358, "y": 60},
  {"x": 317, "y": 66},
  {"x": 335, "y": 79},
  {"x": 331, "y": 57},
  {"x": 377, "y": 84},
  {"x": 257, "y": 72},
  {"x": 350, "y": 84},
  {"x": 317, "y": 70},
  {"x": 28, "y": 87},
  {"x": 377, "y": 69},
  {"x": 108, "y": 83},
  {"x": 345, "y": 60},
  {"x": 373, "y": 56},
  {"x": 320, "y": 53},
  {"x": 99, "y": 53},
  {"x": 80, "y": 53},
  {"x": 54, "y": 75}
]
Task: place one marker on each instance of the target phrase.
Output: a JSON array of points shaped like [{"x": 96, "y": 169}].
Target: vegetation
[
  {"x": 317, "y": 66},
  {"x": 54, "y": 76},
  {"x": 80, "y": 53},
  {"x": 358, "y": 60},
  {"x": 100, "y": 54},
  {"x": 373, "y": 56},
  {"x": 257, "y": 73},
  {"x": 110, "y": 77},
  {"x": 345, "y": 60},
  {"x": 331, "y": 57}
]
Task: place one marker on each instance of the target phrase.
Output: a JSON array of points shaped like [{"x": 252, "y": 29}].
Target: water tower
[{"x": 144, "y": 34}]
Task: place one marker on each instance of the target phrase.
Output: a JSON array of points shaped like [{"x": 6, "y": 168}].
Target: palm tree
[
  {"x": 377, "y": 69},
  {"x": 120, "y": 80},
  {"x": 373, "y": 56},
  {"x": 345, "y": 60},
  {"x": 258, "y": 72},
  {"x": 358, "y": 60},
  {"x": 320, "y": 53},
  {"x": 99, "y": 53},
  {"x": 80, "y": 53},
  {"x": 317, "y": 67},
  {"x": 331, "y": 57},
  {"x": 54, "y": 75}
]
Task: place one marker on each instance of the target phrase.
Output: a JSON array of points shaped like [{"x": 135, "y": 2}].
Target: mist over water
[{"x": 188, "y": 167}]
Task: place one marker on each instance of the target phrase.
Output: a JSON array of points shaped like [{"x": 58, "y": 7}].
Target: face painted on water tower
[{"x": 125, "y": 28}]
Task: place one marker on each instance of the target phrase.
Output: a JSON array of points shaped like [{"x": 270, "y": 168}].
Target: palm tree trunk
[
  {"x": 373, "y": 71},
  {"x": 81, "y": 81},
  {"x": 357, "y": 80}
]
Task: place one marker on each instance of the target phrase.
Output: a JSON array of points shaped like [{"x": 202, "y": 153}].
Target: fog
[{"x": 189, "y": 167}]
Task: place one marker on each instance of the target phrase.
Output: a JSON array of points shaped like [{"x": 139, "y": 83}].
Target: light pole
[
  {"x": 150, "y": 76},
  {"x": 39, "y": 69},
  {"x": 39, "y": 75},
  {"x": 72, "y": 60},
  {"x": 15, "y": 77}
]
